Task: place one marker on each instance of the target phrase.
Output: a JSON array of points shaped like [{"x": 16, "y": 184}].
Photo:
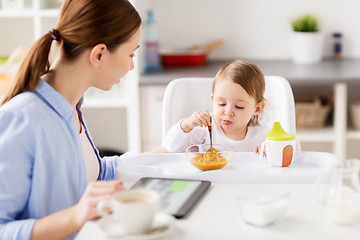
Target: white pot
[{"x": 307, "y": 47}]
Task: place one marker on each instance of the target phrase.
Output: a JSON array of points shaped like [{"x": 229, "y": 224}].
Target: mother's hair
[{"x": 82, "y": 24}]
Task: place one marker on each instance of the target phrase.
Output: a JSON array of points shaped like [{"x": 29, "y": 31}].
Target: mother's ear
[{"x": 97, "y": 53}]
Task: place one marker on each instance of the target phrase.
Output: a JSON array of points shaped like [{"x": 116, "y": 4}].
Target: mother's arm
[{"x": 62, "y": 224}]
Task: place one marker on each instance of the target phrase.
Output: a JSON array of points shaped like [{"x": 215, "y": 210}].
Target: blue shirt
[{"x": 42, "y": 169}]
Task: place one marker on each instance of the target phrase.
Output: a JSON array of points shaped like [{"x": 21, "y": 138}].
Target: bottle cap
[
  {"x": 150, "y": 15},
  {"x": 337, "y": 34},
  {"x": 277, "y": 133}
]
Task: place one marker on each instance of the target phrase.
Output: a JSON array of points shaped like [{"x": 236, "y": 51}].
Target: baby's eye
[
  {"x": 239, "y": 107},
  {"x": 221, "y": 104}
]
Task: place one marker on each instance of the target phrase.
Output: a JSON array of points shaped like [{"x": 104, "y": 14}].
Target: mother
[{"x": 49, "y": 166}]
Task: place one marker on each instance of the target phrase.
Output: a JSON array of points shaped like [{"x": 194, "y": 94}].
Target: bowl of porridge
[{"x": 202, "y": 157}]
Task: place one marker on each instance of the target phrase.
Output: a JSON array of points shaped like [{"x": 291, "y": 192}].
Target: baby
[{"x": 238, "y": 100}]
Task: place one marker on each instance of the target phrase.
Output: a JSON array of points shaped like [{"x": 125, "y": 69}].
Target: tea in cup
[
  {"x": 279, "y": 145},
  {"x": 133, "y": 210}
]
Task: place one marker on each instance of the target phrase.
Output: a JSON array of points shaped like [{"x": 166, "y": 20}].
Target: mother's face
[{"x": 118, "y": 63}]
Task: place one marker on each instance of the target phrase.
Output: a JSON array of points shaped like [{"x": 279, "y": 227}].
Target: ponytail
[
  {"x": 35, "y": 64},
  {"x": 81, "y": 25}
]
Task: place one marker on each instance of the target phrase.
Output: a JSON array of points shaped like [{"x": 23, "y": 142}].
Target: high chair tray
[{"x": 243, "y": 167}]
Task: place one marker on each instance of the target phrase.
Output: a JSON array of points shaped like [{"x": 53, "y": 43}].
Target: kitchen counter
[{"x": 328, "y": 71}]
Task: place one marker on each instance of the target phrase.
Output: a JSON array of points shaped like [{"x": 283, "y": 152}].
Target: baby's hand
[
  {"x": 198, "y": 118},
  {"x": 257, "y": 150}
]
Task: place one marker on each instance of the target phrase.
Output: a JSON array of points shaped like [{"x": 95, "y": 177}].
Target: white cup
[
  {"x": 133, "y": 210},
  {"x": 278, "y": 153}
]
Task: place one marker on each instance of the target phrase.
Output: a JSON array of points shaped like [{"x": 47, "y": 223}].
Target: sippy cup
[{"x": 280, "y": 146}]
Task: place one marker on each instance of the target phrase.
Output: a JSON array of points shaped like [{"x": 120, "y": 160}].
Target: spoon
[{"x": 210, "y": 133}]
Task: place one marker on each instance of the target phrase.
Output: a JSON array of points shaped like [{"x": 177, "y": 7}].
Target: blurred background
[{"x": 129, "y": 116}]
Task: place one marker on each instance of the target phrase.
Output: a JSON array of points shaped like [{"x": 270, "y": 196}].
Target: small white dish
[
  {"x": 162, "y": 225},
  {"x": 263, "y": 208}
]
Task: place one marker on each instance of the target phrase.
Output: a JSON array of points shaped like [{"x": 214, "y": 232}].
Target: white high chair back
[{"x": 184, "y": 96}]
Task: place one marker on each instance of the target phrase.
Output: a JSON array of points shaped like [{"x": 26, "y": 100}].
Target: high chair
[{"x": 184, "y": 96}]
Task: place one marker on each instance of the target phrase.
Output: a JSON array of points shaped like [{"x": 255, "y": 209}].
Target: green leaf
[{"x": 305, "y": 23}]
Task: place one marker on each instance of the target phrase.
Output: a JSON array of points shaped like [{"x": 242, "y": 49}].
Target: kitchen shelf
[
  {"x": 40, "y": 16},
  {"x": 324, "y": 134},
  {"x": 91, "y": 102},
  {"x": 22, "y": 13},
  {"x": 316, "y": 135},
  {"x": 49, "y": 13},
  {"x": 105, "y": 103},
  {"x": 353, "y": 134},
  {"x": 26, "y": 13}
]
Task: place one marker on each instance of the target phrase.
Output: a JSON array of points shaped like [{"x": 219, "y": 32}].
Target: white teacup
[{"x": 133, "y": 210}]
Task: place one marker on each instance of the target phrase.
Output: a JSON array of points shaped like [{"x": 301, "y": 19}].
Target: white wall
[{"x": 253, "y": 29}]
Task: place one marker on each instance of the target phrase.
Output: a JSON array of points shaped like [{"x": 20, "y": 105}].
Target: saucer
[{"x": 161, "y": 226}]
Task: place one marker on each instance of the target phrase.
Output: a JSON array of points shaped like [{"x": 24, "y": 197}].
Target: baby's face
[{"x": 232, "y": 107}]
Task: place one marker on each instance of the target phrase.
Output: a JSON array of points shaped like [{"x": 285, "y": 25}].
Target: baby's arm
[
  {"x": 198, "y": 118},
  {"x": 257, "y": 150}
]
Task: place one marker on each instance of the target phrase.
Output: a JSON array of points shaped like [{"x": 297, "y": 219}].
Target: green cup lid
[{"x": 277, "y": 133}]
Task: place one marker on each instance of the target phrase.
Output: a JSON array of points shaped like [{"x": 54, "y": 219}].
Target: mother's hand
[{"x": 85, "y": 209}]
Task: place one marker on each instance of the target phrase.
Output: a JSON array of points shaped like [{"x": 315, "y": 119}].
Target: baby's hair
[{"x": 248, "y": 76}]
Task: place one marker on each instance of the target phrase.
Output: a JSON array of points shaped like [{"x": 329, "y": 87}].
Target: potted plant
[{"x": 307, "y": 40}]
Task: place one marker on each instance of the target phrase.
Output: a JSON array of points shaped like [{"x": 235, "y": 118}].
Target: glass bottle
[
  {"x": 151, "y": 38},
  {"x": 337, "y": 45}
]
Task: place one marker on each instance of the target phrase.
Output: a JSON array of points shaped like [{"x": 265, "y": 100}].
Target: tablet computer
[{"x": 178, "y": 196}]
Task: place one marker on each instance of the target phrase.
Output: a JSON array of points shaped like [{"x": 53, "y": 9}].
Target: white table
[
  {"x": 217, "y": 216},
  {"x": 243, "y": 167}
]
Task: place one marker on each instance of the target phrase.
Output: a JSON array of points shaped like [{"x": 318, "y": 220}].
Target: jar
[{"x": 339, "y": 192}]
